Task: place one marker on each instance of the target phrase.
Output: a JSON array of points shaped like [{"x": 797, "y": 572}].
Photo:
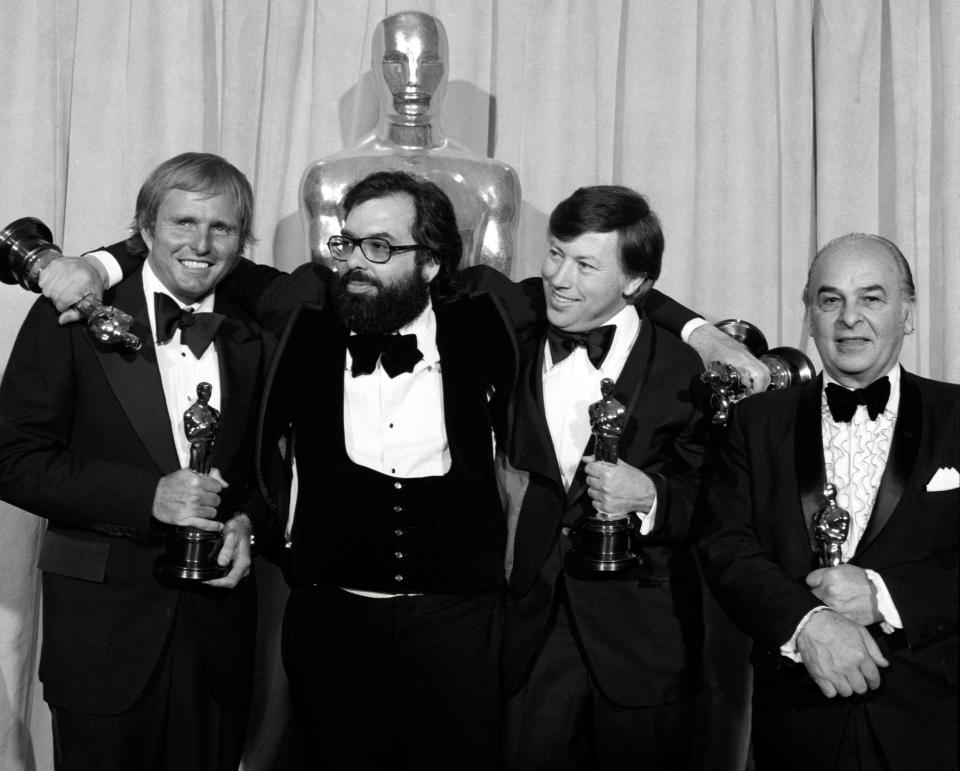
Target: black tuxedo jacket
[
  {"x": 641, "y": 629},
  {"x": 767, "y": 487},
  {"x": 84, "y": 439}
]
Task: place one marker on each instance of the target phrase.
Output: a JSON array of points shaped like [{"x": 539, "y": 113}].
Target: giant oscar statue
[{"x": 409, "y": 67}]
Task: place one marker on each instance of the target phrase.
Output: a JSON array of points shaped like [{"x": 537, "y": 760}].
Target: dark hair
[
  {"x": 605, "y": 208},
  {"x": 195, "y": 173},
  {"x": 907, "y": 290},
  {"x": 434, "y": 222}
]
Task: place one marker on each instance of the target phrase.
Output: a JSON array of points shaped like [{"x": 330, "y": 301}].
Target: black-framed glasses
[{"x": 374, "y": 248}]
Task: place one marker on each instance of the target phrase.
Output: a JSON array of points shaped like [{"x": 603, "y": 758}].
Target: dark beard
[{"x": 386, "y": 310}]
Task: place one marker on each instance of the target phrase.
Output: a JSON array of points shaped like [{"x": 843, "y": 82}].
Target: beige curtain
[{"x": 759, "y": 130}]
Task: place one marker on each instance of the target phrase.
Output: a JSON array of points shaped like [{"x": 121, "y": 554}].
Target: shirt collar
[
  {"x": 153, "y": 284},
  {"x": 627, "y": 323},
  {"x": 424, "y": 327},
  {"x": 893, "y": 403}
]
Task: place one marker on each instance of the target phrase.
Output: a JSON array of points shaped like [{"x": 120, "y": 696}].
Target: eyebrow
[
  {"x": 859, "y": 290},
  {"x": 380, "y": 234},
  {"x": 185, "y": 217}
]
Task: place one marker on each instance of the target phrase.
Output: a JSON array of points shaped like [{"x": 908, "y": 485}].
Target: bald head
[{"x": 860, "y": 304}]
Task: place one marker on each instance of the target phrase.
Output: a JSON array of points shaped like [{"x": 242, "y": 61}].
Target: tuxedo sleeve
[
  {"x": 677, "y": 477},
  {"x": 267, "y": 294},
  {"x": 925, "y": 595},
  {"x": 41, "y": 470},
  {"x": 667, "y": 312},
  {"x": 522, "y": 302},
  {"x": 761, "y": 598}
]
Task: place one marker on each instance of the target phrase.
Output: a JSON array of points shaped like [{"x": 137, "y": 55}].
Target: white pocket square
[{"x": 944, "y": 479}]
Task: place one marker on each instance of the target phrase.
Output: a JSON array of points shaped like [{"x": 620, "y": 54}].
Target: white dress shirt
[
  {"x": 572, "y": 385},
  {"x": 396, "y": 425},
  {"x": 854, "y": 456},
  {"x": 180, "y": 370}
]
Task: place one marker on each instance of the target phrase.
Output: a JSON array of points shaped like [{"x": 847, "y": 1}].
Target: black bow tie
[
  {"x": 843, "y": 402},
  {"x": 397, "y": 353},
  {"x": 198, "y": 329},
  {"x": 596, "y": 341}
]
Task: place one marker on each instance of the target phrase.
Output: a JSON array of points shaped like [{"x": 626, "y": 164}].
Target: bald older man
[{"x": 855, "y": 665}]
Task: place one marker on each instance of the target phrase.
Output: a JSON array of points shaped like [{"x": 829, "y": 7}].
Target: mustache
[{"x": 357, "y": 276}]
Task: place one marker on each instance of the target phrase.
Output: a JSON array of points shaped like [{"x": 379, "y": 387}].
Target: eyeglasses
[{"x": 374, "y": 248}]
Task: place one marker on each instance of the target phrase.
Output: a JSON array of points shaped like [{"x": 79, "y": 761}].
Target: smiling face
[
  {"x": 858, "y": 315},
  {"x": 195, "y": 242},
  {"x": 584, "y": 283}
]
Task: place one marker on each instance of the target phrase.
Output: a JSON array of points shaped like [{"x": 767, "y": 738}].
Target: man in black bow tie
[
  {"x": 854, "y": 665},
  {"x": 140, "y": 673},
  {"x": 600, "y": 668}
]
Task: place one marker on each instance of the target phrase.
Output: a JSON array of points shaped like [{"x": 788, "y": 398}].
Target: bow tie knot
[
  {"x": 843, "y": 402},
  {"x": 396, "y": 353},
  {"x": 595, "y": 341},
  {"x": 197, "y": 330}
]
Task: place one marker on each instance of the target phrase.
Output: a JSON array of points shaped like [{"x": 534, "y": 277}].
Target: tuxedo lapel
[
  {"x": 135, "y": 379},
  {"x": 901, "y": 461},
  {"x": 309, "y": 360},
  {"x": 531, "y": 447},
  {"x": 629, "y": 386},
  {"x": 238, "y": 352},
  {"x": 808, "y": 453}
]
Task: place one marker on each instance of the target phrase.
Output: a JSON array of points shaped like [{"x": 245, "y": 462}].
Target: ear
[
  {"x": 909, "y": 316},
  {"x": 636, "y": 287},
  {"x": 147, "y": 237},
  {"x": 429, "y": 270}
]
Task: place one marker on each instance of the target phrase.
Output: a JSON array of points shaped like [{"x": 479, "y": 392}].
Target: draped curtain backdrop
[{"x": 758, "y": 129}]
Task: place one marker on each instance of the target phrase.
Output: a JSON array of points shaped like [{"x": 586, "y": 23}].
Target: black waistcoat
[{"x": 358, "y": 528}]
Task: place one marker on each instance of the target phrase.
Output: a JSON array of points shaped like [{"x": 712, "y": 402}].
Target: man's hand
[
  {"x": 235, "y": 552},
  {"x": 188, "y": 499},
  {"x": 847, "y": 590},
  {"x": 840, "y": 655},
  {"x": 620, "y": 488},
  {"x": 67, "y": 279},
  {"x": 714, "y": 345}
]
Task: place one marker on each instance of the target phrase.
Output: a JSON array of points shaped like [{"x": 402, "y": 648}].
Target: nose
[
  {"x": 849, "y": 315},
  {"x": 355, "y": 256},
  {"x": 201, "y": 241},
  {"x": 413, "y": 71},
  {"x": 562, "y": 276}
]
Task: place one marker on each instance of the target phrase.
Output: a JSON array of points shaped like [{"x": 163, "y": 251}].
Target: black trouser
[
  {"x": 560, "y": 721},
  {"x": 396, "y": 683},
  {"x": 175, "y": 725}
]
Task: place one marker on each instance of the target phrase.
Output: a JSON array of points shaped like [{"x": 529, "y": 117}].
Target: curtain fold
[{"x": 758, "y": 130}]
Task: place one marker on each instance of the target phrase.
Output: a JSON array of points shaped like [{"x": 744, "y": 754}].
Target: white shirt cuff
[
  {"x": 789, "y": 648},
  {"x": 110, "y": 265},
  {"x": 891, "y": 618},
  {"x": 647, "y": 518},
  {"x": 690, "y": 326}
]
